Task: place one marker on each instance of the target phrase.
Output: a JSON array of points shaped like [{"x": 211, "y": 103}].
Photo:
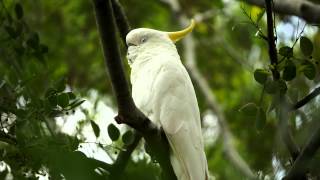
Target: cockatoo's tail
[{"x": 176, "y": 36}]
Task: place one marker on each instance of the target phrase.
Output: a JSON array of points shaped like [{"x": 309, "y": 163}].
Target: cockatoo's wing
[{"x": 175, "y": 105}]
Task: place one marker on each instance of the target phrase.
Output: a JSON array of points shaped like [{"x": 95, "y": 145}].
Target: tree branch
[
  {"x": 271, "y": 41},
  {"x": 300, "y": 166},
  {"x": 307, "y": 10},
  {"x": 306, "y": 99},
  {"x": 127, "y": 111},
  {"x": 121, "y": 20},
  {"x": 124, "y": 156}
]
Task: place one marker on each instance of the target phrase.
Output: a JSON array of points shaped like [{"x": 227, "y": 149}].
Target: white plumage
[{"x": 162, "y": 89}]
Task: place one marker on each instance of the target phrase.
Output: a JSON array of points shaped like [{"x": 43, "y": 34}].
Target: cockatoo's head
[{"x": 144, "y": 41}]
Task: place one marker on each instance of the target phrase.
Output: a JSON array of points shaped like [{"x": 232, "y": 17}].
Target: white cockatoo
[{"x": 163, "y": 91}]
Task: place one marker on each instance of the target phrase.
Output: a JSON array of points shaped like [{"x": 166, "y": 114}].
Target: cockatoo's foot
[{"x": 119, "y": 119}]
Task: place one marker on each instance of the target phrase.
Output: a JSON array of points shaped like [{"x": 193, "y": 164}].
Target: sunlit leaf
[{"x": 260, "y": 15}]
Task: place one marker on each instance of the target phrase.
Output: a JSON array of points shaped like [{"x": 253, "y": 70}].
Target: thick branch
[
  {"x": 300, "y": 166},
  {"x": 124, "y": 156},
  {"x": 128, "y": 113},
  {"x": 307, "y": 99},
  {"x": 307, "y": 10}
]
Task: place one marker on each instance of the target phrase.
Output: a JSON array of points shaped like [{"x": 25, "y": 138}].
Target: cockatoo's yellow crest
[{"x": 176, "y": 36}]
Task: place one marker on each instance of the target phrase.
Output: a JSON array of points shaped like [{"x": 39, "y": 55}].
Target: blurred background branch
[{"x": 305, "y": 9}]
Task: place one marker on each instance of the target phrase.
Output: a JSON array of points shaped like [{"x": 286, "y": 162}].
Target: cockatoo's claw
[{"x": 119, "y": 119}]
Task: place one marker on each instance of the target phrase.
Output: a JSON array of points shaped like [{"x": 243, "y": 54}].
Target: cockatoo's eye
[{"x": 143, "y": 40}]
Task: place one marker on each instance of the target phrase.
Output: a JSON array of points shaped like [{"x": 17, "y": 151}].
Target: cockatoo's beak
[{"x": 176, "y": 36}]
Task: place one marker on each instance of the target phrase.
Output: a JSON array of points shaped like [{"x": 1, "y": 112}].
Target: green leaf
[
  {"x": 71, "y": 95},
  {"x": 286, "y": 51},
  {"x": 33, "y": 40},
  {"x": 249, "y": 109},
  {"x": 61, "y": 84},
  {"x": 306, "y": 46},
  {"x": 274, "y": 103},
  {"x": 12, "y": 33},
  {"x": 19, "y": 50},
  {"x": 261, "y": 75},
  {"x": 43, "y": 49},
  {"x": 282, "y": 86},
  {"x": 113, "y": 132},
  {"x": 127, "y": 137},
  {"x": 309, "y": 70},
  {"x": 75, "y": 104},
  {"x": 271, "y": 87},
  {"x": 63, "y": 99},
  {"x": 95, "y": 128},
  {"x": 50, "y": 92},
  {"x": 19, "y": 11},
  {"x": 289, "y": 71},
  {"x": 53, "y": 100},
  {"x": 260, "y": 15},
  {"x": 260, "y": 119}
]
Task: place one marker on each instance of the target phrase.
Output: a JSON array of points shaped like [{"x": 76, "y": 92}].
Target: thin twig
[
  {"x": 307, "y": 99},
  {"x": 300, "y": 166}
]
